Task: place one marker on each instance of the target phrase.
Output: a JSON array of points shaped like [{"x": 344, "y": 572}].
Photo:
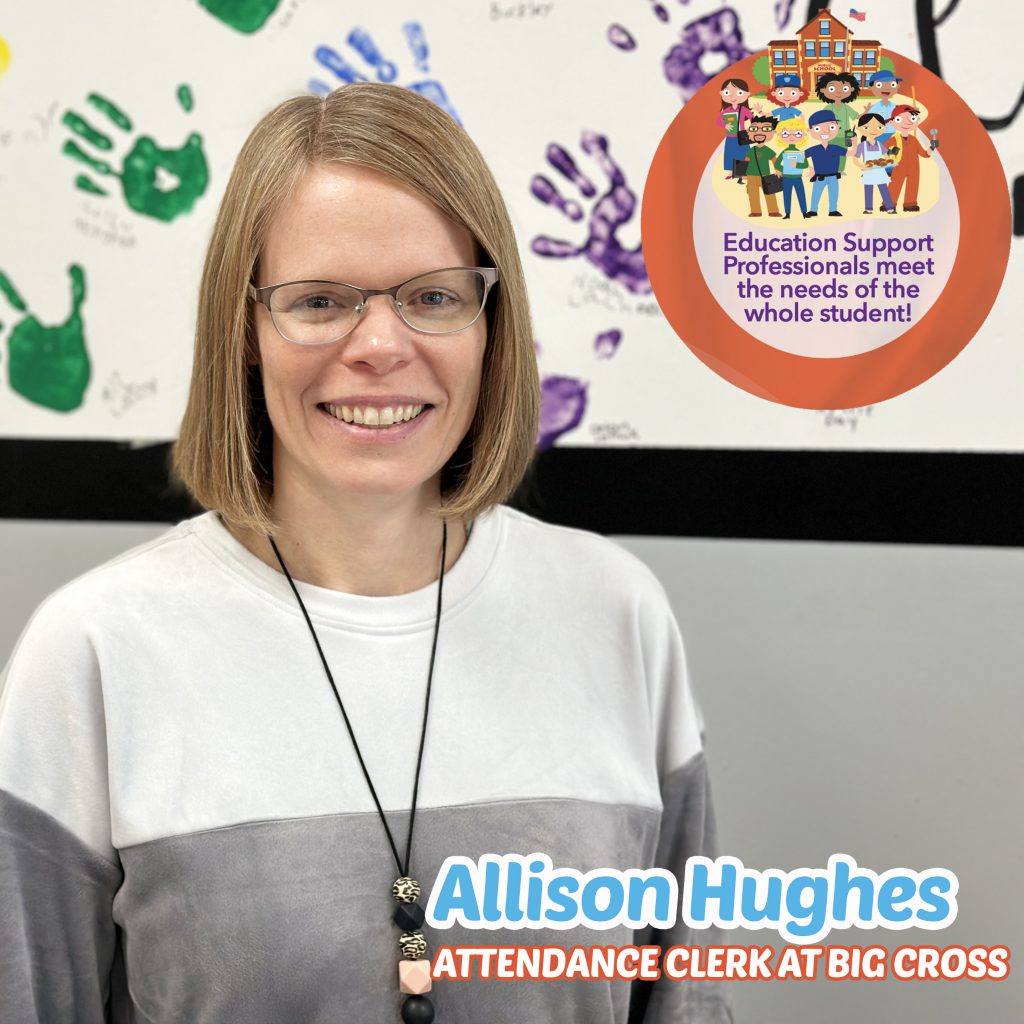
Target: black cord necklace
[{"x": 413, "y": 970}]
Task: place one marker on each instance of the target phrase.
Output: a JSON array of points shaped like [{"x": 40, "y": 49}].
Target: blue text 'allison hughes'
[{"x": 516, "y": 892}]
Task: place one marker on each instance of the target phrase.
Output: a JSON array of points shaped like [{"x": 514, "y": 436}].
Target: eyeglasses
[{"x": 319, "y": 312}]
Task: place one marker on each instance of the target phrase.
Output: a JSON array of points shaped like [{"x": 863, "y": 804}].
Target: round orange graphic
[{"x": 858, "y": 300}]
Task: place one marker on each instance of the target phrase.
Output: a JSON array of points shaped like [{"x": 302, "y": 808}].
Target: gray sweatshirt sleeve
[
  {"x": 58, "y": 870},
  {"x": 687, "y": 830},
  {"x": 57, "y": 935}
]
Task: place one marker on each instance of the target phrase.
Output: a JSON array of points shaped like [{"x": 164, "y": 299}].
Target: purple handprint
[
  {"x": 610, "y": 211},
  {"x": 718, "y": 33},
  {"x": 606, "y": 344},
  {"x": 783, "y": 10},
  {"x": 563, "y": 400},
  {"x": 360, "y": 40}
]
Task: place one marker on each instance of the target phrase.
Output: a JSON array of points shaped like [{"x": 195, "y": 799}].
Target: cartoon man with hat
[
  {"x": 788, "y": 92},
  {"x": 884, "y": 84},
  {"x": 826, "y": 161}
]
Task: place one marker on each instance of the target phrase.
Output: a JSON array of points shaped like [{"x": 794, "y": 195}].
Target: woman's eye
[
  {"x": 433, "y": 298},
  {"x": 318, "y": 304}
]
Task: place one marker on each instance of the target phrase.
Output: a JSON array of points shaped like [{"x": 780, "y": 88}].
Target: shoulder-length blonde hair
[{"x": 223, "y": 450}]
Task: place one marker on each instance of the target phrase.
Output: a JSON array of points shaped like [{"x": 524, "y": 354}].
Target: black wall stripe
[
  {"x": 937, "y": 498},
  {"x": 900, "y": 497}
]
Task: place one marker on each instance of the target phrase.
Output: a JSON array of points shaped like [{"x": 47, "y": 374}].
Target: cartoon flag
[{"x": 857, "y": 15}]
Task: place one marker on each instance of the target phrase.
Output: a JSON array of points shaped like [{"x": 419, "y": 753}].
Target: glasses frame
[{"x": 263, "y": 296}]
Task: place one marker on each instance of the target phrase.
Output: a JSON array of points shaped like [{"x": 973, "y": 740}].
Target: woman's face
[
  {"x": 356, "y": 226},
  {"x": 837, "y": 92},
  {"x": 791, "y": 136},
  {"x": 872, "y": 129},
  {"x": 786, "y": 95},
  {"x": 733, "y": 94}
]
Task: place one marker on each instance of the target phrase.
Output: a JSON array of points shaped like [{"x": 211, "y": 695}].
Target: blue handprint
[
  {"x": 383, "y": 70},
  {"x": 718, "y": 34},
  {"x": 609, "y": 212}
]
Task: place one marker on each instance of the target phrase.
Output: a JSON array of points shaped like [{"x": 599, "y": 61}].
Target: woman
[
  {"x": 837, "y": 92},
  {"x": 873, "y": 157},
  {"x": 734, "y": 117},
  {"x": 791, "y": 163},
  {"x": 788, "y": 93},
  {"x": 213, "y": 750}
]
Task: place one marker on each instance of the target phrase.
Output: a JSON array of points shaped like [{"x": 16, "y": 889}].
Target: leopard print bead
[
  {"x": 413, "y": 945},
  {"x": 406, "y": 890}
]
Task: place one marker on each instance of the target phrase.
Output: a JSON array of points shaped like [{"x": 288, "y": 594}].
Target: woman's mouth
[{"x": 375, "y": 417}]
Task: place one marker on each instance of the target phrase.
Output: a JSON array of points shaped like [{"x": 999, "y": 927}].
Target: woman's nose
[{"x": 381, "y": 340}]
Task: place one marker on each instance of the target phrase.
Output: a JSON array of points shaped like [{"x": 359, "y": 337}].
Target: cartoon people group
[{"x": 881, "y": 142}]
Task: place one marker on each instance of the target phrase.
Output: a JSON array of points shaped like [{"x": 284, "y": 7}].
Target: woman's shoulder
[
  {"x": 128, "y": 581},
  {"x": 578, "y": 558}
]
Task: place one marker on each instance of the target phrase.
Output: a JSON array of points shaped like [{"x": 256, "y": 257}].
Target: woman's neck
[{"x": 368, "y": 544}]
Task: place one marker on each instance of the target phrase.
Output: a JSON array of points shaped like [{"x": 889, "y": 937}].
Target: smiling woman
[
  {"x": 229, "y": 757},
  {"x": 351, "y": 223},
  {"x": 364, "y": 188}
]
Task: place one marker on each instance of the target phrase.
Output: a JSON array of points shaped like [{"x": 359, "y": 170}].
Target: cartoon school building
[{"x": 824, "y": 46}]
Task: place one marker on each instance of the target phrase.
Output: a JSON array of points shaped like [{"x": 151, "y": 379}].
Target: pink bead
[{"x": 414, "y": 976}]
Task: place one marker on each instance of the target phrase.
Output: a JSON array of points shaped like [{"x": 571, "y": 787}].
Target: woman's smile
[{"x": 373, "y": 423}]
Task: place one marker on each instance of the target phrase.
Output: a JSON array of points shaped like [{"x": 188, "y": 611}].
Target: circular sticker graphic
[{"x": 826, "y": 237}]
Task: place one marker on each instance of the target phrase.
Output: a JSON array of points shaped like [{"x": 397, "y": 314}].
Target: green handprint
[
  {"x": 243, "y": 15},
  {"x": 160, "y": 183},
  {"x": 49, "y": 365}
]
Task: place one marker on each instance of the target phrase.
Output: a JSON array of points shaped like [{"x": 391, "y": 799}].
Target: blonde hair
[
  {"x": 222, "y": 454},
  {"x": 794, "y": 123}
]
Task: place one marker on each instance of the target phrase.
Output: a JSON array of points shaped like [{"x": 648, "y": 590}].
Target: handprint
[
  {"x": 48, "y": 365},
  {"x": 383, "y": 70},
  {"x": 783, "y": 11},
  {"x": 610, "y": 211},
  {"x": 160, "y": 183},
  {"x": 606, "y": 344},
  {"x": 563, "y": 400},
  {"x": 242, "y": 15},
  {"x": 717, "y": 34}
]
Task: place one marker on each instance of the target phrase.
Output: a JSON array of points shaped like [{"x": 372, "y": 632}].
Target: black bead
[
  {"x": 409, "y": 916},
  {"x": 417, "y": 1010}
]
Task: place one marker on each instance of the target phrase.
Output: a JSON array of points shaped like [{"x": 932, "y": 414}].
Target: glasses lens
[
  {"x": 313, "y": 313},
  {"x": 443, "y": 301}
]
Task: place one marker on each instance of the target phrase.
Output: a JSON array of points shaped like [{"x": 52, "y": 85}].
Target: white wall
[{"x": 863, "y": 699}]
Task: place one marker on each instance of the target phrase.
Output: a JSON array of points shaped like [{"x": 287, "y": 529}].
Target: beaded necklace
[{"x": 413, "y": 969}]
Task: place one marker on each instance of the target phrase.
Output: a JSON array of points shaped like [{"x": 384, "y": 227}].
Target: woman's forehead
[{"x": 350, "y": 220}]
